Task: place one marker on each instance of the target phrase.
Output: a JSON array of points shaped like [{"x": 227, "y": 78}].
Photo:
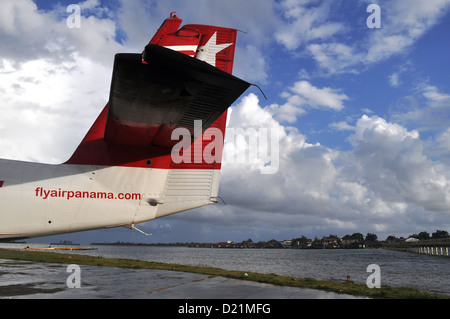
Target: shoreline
[{"x": 346, "y": 287}]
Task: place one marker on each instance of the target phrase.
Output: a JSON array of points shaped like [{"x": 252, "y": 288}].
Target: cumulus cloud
[
  {"x": 39, "y": 105},
  {"x": 40, "y": 70},
  {"x": 279, "y": 193},
  {"x": 395, "y": 166},
  {"x": 384, "y": 183},
  {"x": 30, "y": 34}
]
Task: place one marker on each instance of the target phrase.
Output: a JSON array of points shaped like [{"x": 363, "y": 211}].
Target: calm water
[{"x": 430, "y": 273}]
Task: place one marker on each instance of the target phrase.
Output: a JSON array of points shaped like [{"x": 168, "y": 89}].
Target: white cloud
[
  {"x": 394, "y": 80},
  {"x": 378, "y": 127},
  {"x": 342, "y": 126},
  {"x": 289, "y": 111},
  {"x": 48, "y": 103},
  {"x": 320, "y": 98},
  {"x": 306, "y": 23},
  {"x": 304, "y": 95},
  {"x": 432, "y": 93},
  {"x": 395, "y": 166},
  {"x": 404, "y": 22},
  {"x": 54, "y": 81},
  {"x": 29, "y": 34},
  {"x": 336, "y": 57}
]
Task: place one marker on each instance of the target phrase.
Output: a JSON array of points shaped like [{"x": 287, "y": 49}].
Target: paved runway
[{"x": 20, "y": 280}]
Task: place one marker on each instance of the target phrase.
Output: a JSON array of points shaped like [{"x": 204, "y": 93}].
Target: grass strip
[{"x": 330, "y": 286}]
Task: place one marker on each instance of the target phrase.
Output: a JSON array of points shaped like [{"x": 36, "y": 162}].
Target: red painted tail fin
[{"x": 182, "y": 78}]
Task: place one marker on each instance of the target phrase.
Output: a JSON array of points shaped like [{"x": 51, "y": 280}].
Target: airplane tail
[{"x": 163, "y": 129}]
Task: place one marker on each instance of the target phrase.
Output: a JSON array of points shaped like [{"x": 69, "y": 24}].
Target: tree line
[{"x": 357, "y": 238}]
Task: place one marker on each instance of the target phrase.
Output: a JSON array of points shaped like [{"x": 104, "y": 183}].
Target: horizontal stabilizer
[{"x": 167, "y": 89}]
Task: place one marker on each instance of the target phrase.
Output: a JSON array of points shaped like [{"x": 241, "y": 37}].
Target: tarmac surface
[{"x": 29, "y": 280}]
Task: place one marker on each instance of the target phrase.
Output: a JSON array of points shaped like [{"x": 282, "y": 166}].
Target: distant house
[
  {"x": 286, "y": 243},
  {"x": 330, "y": 242},
  {"x": 302, "y": 243},
  {"x": 352, "y": 243}
]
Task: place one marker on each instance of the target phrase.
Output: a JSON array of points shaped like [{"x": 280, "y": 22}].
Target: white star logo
[{"x": 208, "y": 52}]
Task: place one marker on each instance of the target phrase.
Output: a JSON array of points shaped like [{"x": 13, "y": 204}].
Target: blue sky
[{"x": 364, "y": 113}]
